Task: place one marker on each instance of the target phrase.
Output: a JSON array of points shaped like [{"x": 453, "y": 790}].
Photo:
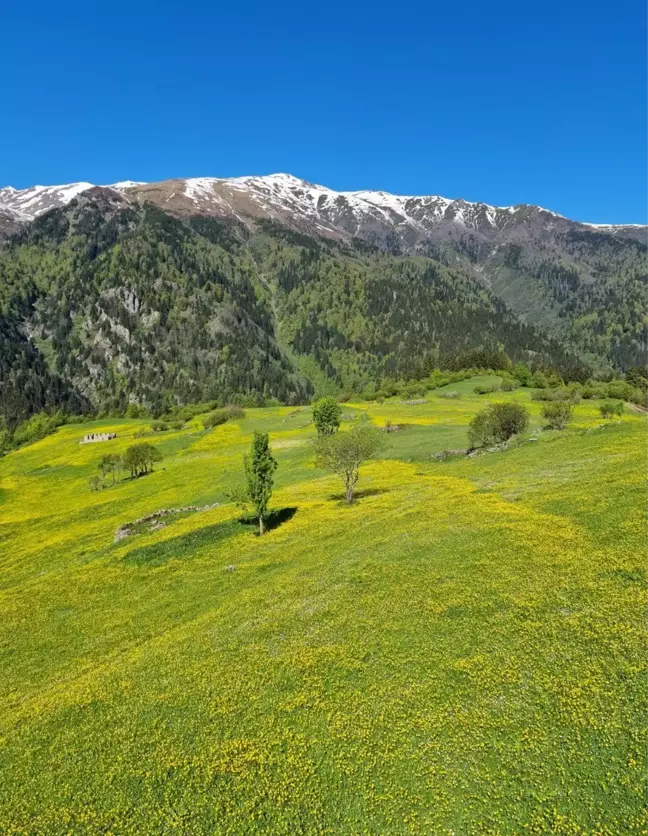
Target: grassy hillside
[{"x": 462, "y": 651}]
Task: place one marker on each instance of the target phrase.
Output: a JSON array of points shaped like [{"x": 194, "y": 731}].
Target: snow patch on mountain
[
  {"x": 201, "y": 189},
  {"x": 127, "y": 184},
  {"x": 283, "y": 197},
  {"x": 27, "y": 204}
]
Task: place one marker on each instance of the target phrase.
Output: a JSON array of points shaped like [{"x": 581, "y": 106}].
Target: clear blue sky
[{"x": 503, "y": 102}]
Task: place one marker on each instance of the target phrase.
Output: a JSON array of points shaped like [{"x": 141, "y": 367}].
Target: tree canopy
[
  {"x": 345, "y": 452},
  {"x": 326, "y": 415},
  {"x": 140, "y": 458}
]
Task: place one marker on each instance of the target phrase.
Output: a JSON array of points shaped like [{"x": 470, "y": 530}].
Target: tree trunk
[
  {"x": 349, "y": 492},
  {"x": 261, "y": 527}
]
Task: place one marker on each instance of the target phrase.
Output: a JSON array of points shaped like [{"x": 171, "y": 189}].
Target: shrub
[
  {"x": 509, "y": 419},
  {"x": 235, "y": 411},
  {"x": 557, "y": 414},
  {"x": 480, "y": 431},
  {"x": 619, "y": 389},
  {"x": 186, "y": 413},
  {"x": 134, "y": 410},
  {"x": 498, "y": 423},
  {"x": 559, "y": 393},
  {"x": 215, "y": 419},
  {"x": 177, "y": 425},
  {"x": 544, "y": 380},
  {"x": 611, "y": 408},
  {"x": 450, "y": 394},
  {"x": 509, "y": 385},
  {"x": 159, "y": 426},
  {"x": 220, "y": 416},
  {"x": 637, "y": 377},
  {"x": 485, "y": 390},
  {"x": 522, "y": 374},
  {"x": 640, "y": 398},
  {"x": 595, "y": 389}
]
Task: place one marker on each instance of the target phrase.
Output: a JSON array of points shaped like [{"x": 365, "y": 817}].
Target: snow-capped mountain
[
  {"x": 313, "y": 208},
  {"x": 27, "y": 204}
]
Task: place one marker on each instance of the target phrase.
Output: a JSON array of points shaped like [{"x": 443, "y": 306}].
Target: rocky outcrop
[{"x": 155, "y": 521}]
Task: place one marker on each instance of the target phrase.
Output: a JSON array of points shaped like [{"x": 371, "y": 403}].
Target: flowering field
[{"x": 460, "y": 652}]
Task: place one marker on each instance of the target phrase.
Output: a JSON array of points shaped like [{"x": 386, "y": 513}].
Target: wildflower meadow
[{"x": 462, "y": 650}]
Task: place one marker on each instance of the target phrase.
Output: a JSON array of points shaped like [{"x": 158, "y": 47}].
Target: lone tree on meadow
[
  {"x": 326, "y": 415},
  {"x": 260, "y": 466},
  {"x": 139, "y": 458},
  {"x": 345, "y": 452}
]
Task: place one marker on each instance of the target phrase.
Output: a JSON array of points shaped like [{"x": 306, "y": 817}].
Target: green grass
[{"x": 460, "y": 652}]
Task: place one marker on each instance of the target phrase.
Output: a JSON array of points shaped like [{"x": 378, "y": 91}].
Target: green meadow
[{"x": 461, "y": 651}]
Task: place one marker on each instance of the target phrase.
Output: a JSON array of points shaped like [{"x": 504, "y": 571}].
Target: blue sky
[{"x": 502, "y": 102}]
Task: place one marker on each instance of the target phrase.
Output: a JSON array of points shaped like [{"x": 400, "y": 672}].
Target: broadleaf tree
[
  {"x": 345, "y": 452},
  {"x": 326, "y": 416}
]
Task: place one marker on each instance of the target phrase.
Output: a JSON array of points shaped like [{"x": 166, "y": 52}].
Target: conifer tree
[{"x": 260, "y": 466}]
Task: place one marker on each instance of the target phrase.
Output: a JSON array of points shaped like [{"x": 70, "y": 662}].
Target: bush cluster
[
  {"x": 562, "y": 393},
  {"x": 221, "y": 416},
  {"x": 557, "y": 414},
  {"x": 486, "y": 390},
  {"x": 497, "y": 423},
  {"x": 611, "y": 408},
  {"x": 509, "y": 385}
]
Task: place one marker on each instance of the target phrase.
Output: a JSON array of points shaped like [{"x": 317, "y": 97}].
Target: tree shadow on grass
[
  {"x": 186, "y": 545},
  {"x": 273, "y": 520},
  {"x": 183, "y": 546},
  {"x": 341, "y": 497},
  {"x": 636, "y": 575}
]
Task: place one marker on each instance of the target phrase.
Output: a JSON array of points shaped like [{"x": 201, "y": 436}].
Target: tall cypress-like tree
[{"x": 260, "y": 466}]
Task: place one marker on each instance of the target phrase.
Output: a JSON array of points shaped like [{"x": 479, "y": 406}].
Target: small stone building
[{"x": 90, "y": 438}]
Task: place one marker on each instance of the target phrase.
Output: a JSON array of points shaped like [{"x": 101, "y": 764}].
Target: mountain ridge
[{"x": 206, "y": 195}]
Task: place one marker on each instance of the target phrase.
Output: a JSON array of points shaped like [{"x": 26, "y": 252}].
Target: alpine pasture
[{"x": 460, "y": 651}]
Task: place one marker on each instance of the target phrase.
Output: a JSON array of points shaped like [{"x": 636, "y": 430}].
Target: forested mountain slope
[
  {"x": 120, "y": 301},
  {"x": 580, "y": 283}
]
